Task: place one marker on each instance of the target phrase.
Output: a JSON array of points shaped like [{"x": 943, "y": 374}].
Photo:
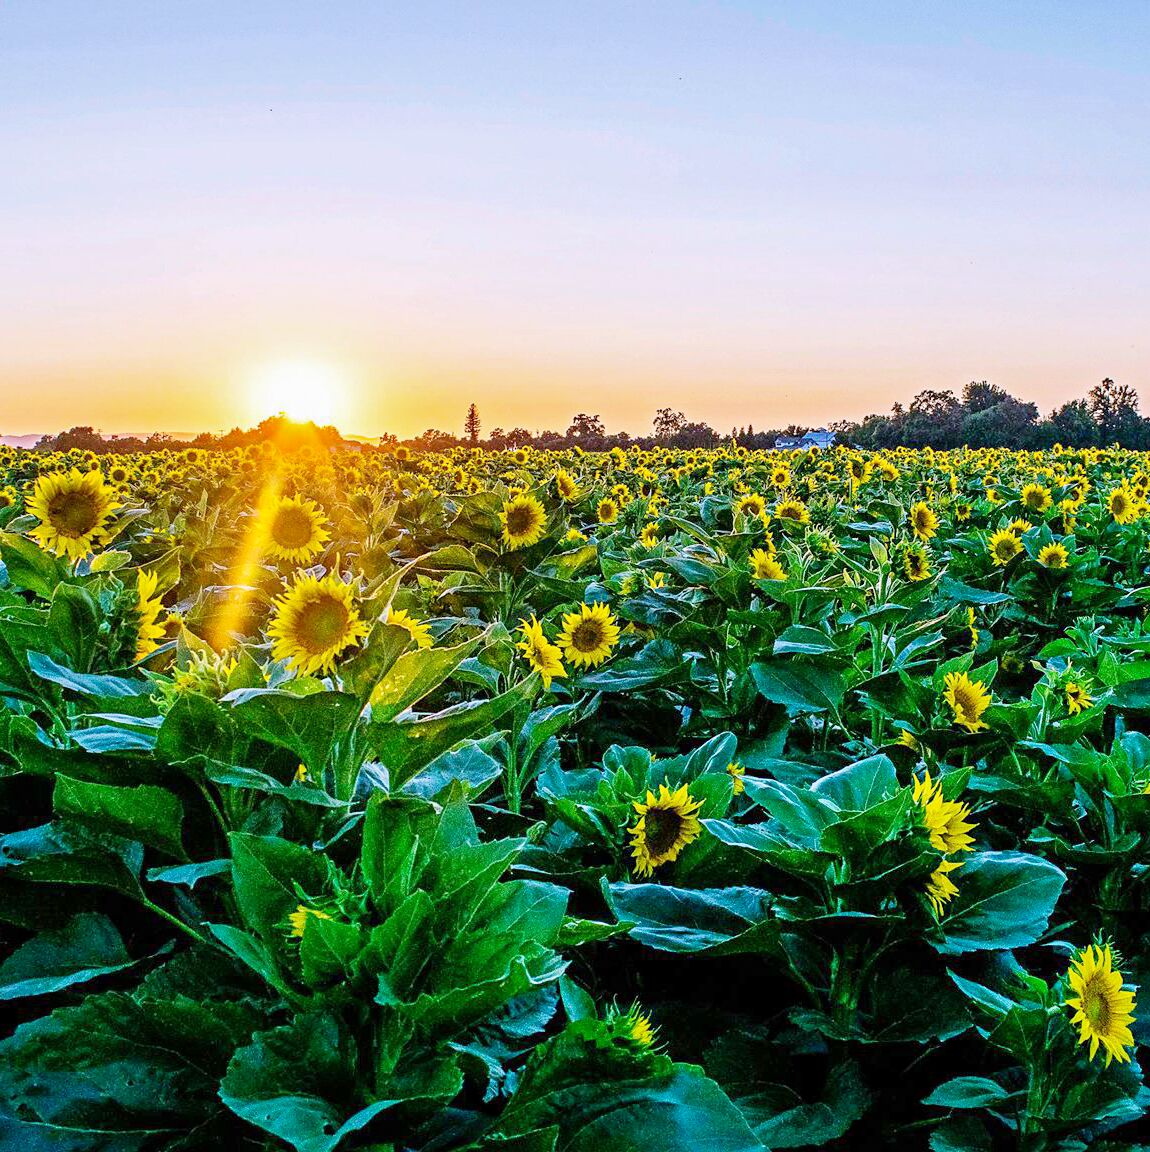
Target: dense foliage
[{"x": 654, "y": 799}]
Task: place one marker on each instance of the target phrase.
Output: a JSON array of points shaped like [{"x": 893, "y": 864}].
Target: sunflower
[
  {"x": 607, "y": 511},
  {"x": 7, "y": 497},
  {"x": 667, "y": 824},
  {"x": 298, "y": 919},
  {"x": 793, "y": 510},
  {"x": 73, "y": 509},
  {"x": 149, "y": 632},
  {"x": 1078, "y": 699},
  {"x": 1035, "y": 498},
  {"x": 940, "y": 888},
  {"x": 543, "y": 656},
  {"x": 1053, "y": 556},
  {"x": 781, "y": 476},
  {"x": 923, "y": 520},
  {"x": 523, "y": 522},
  {"x": 968, "y": 700},
  {"x": 736, "y": 772},
  {"x": 971, "y": 625},
  {"x": 945, "y": 820},
  {"x": 916, "y": 563},
  {"x": 765, "y": 567},
  {"x": 649, "y": 537},
  {"x": 1004, "y": 546},
  {"x": 297, "y": 531},
  {"x": 589, "y": 635},
  {"x": 315, "y": 621},
  {"x": 565, "y": 485},
  {"x": 1121, "y": 504},
  {"x": 418, "y": 630},
  {"x": 574, "y": 536},
  {"x": 752, "y": 505},
  {"x": 1104, "y": 1010},
  {"x": 656, "y": 580}
]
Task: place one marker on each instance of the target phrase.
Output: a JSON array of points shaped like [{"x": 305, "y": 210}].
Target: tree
[
  {"x": 584, "y": 428},
  {"x": 978, "y": 396},
  {"x": 668, "y": 423},
  {"x": 1114, "y": 409},
  {"x": 471, "y": 425}
]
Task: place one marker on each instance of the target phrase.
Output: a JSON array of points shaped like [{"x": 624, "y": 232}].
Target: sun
[{"x": 301, "y": 389}]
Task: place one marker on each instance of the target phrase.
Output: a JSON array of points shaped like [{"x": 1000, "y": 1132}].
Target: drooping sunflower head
[
  {"x": 543, "y": 656},
  {"x": 73, "y": 509},
  {"x": 1053, "y": 556},
  {"x": 149, "y": 630},
  {"x": 1004, "y": 546},
  {"x": 764, "y": 566},
  {"x": 418, "y": 630},
  {"x": 751, "y": 505},
  {"x": 656, "y": 580},
  {"x": 1103, "y": 1008},
  {"x": 736, "y": 772},
  {"x": 566, "y": 486},
  {"x": 589, "y": 635},
  {"x": 524, "y": 522},
  {"x": 968, "y": 700},
  {"x": 667, "y": 824},
  {"x": 315, "y": 621},
  {"x": 297, "y": 532},
  {"x": 946, "y": 821},
  {"x": 923, "y": 520},
  {"x": 793, "y": 511},
  {"x": 940, "y": 888},
  {"x": 916, "y": 563}
]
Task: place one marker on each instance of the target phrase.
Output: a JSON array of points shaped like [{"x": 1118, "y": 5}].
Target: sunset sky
[{"x": 754, "y": 212}]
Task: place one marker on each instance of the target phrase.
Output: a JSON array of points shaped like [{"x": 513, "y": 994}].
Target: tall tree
[{"x": 471, "y": 425}]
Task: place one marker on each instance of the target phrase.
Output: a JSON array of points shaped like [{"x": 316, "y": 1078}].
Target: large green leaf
[
  {"x": 86, "y": 947},
  {"x": 1005, "y": 900},
  {"x": 152, "y": 815}
]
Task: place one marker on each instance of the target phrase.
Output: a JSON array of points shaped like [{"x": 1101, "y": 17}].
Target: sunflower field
[{"x": 564, "y": 802}]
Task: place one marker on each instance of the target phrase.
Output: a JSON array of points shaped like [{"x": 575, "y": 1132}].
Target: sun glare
[{"x": 301, "y": 389}]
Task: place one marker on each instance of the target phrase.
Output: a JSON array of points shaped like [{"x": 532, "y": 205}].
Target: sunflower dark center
[
  {"x": 74, "y": 513},
  {"x": 322, "y": 624},
  {"x": 520, "y": 520},
  {"x": 587, "y": 635},
  {"x": 1096, "y": 1007},
  {"x": 292, "y": 528},
  {"x": 661, "y": 827}
]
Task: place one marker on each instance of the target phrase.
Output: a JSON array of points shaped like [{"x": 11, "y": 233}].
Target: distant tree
[
  {"x": 471, "y": 425},
  {"x": 518, "y": 437},
  {"x": 668, "y": 423},
  {"x": 978, "y": 395},
  {"x": 1008, "y": 424},
  {"x": 1114, "y": 409},
  {"x": 584, "y": 428}
]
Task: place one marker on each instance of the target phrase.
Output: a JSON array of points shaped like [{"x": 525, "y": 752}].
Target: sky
[{"x": 752, "y": 212}]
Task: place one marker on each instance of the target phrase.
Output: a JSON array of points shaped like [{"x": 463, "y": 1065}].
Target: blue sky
[{"x": 753, "y": 212}]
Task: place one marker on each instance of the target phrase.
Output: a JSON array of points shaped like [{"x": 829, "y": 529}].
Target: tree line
[{"x": 987, "y": 416}]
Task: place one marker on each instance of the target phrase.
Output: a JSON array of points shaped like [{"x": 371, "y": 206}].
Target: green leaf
[
  {"x": 414, "y": 675},
  {"x": 1005, "y": 900},
  {"x": 801, "y": 687},
  {"x": 152, "y": 815},
  {"x": 265, "y": 872},
  {"x": 86, "y": 683},
  {"x": 86, "y": 947},
  {"x": 968, "y": 1092},
  {"x": 307, "y": 726},
  {"x": 720, "y": 921}
]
